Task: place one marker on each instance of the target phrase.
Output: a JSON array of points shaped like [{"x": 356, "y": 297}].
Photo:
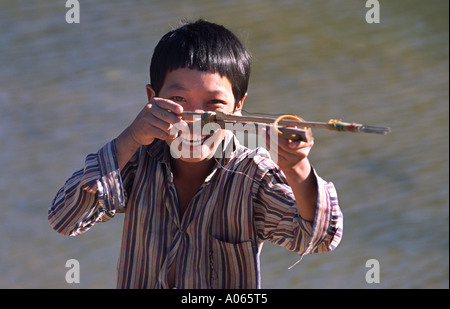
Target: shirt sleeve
[
  {"x": 277, "y": 218},
  {"x": 92, "y": 194}
]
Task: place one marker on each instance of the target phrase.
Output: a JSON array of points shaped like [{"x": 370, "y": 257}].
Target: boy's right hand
[{"x": 155, "y": 120}]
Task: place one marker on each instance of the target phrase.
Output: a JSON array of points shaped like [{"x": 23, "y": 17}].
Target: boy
[{"x": 198, "y": 221}]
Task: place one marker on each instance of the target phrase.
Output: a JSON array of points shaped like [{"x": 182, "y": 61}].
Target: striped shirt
[{"x": 217, "y": 243}]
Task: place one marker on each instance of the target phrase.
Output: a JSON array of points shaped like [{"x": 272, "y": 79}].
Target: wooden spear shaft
[
  {"x": 257, "y": 119},
  {"x": 333, "y": 125}
]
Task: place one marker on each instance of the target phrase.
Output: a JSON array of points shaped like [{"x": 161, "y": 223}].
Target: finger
[
  {"x": 162, "y": 114},
  {"x": 161, "y": 129},
  {"x": 286, "y": 144},
  {"x": 294, "y": 146},
  {"x": 160, "y": 134},
  {"x": 159, "y": 122},
  {"x": 168, "y": 105},
  {"x": 293, "y": 157}
]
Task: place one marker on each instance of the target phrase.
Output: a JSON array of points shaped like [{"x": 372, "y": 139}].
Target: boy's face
[{"x": 199, "y": 91}]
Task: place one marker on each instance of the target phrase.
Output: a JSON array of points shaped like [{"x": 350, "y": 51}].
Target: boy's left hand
[{"x": 291, "y": 156}]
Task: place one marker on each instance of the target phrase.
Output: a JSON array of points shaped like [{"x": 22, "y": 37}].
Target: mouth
[
  {"x": 194, "y": 140},
  {"x": 195, "y": 136}
]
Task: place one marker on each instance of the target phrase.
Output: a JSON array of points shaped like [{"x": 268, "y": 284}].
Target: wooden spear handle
[
  {"x": 295, "y": 134},
  {"x": 220, "y": 115}
]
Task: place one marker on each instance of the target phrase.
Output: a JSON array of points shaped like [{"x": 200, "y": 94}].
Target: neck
[{"x": 194, "y": 172}]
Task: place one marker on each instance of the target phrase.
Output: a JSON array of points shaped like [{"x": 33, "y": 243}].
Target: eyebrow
[{"x": 178, "y": 86}]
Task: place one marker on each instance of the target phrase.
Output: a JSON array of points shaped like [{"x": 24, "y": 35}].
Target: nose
[
  {"x": 193, "y": 111},
  {"x": 199, "y": 110},
  {"x": 194, "y": 118},
  {"x": 196, "y": 105}
]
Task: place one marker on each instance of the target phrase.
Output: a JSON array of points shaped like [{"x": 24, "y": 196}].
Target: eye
[
  {"x": 216, "y": 102},
  {"x": 177, "y": 99}
]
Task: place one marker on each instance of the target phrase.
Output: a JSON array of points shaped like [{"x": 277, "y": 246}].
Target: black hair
[{"x": 203, "y": 46}]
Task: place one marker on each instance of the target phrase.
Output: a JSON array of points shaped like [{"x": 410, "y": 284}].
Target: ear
[
  {"x": 150, "y": 92},
  {"x": 239, "y": 106}
]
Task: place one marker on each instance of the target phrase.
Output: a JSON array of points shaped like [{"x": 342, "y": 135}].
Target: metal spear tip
[{"x": 375, "y": 130}]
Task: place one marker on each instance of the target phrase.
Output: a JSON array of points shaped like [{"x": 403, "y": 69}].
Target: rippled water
[{"x": 67, "y": 89}]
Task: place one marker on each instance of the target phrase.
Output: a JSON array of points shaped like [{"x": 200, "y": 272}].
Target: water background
[{"x": 67, "y": 89}]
